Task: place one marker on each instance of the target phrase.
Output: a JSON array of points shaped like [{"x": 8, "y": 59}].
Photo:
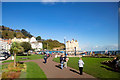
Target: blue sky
[{"x": 94, "y": 25}]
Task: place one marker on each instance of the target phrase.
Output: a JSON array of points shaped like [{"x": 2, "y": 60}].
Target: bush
[
  {"x": 19, "y": 48},
  {"x": 18, "y": 67},
  {"x": 26, "y": 46}
]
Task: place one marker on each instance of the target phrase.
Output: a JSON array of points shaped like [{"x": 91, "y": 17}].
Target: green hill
[
  {"x": 8, "y": 33},
  {"x": 50, "y": 44}
]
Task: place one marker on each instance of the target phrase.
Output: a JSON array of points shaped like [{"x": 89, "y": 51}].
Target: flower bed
[
  {"x": 115, "y": 65},
  {"x": 12, "y": 72}
]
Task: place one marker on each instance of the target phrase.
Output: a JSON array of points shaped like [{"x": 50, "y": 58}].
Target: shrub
[{"x": 26, "y": 46}]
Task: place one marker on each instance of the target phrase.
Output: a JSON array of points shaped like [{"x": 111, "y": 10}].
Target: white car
[{"x": 4, "y": 56}]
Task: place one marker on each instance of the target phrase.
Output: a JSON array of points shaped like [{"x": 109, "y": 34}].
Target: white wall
[
  {"x": 33, "y": 39},
  {"x": 37, "y": 45}
]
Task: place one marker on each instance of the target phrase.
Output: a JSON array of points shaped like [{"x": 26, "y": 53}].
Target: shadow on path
[
  {"x": 74, "y": 71},
  {"x": 58, "y": 66}
]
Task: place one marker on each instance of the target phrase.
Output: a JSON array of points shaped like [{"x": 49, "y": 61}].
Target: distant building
[
  {"x": 7, "y": 40},
  {"x": 33, "y": 39},
  {"x": 20, "y": 39},
  {"x": 71, "y": 45},
  {"x": 5, "y": 44},
  {"x": 34, "y": 43}
]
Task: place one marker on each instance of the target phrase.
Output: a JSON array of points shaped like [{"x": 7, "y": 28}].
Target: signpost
[{"x": 65, "y": 45}]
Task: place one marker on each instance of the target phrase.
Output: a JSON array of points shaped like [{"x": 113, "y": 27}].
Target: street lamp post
[{"x": 65, "y": 45}]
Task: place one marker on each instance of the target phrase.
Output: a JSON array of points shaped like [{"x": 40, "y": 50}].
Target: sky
[{"x": 94, "y": 24}]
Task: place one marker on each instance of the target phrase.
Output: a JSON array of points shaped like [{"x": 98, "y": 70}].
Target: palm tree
[{"x": 16, "y": 48}]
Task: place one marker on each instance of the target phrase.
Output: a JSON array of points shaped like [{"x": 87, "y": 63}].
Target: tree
[
  {"x": 17, "y": 30},
  {"x": 26, "y": 46},
  {"x": 14, "y": 34},
  {"x": 6, "y": 34},
  {"x": 25, "y": 33},
  {"x": 38, "y": 38},
  {"x": 19, "y": 35},
  {"x": 16, "y": 48},
  {"x": 3, "y": 27}
]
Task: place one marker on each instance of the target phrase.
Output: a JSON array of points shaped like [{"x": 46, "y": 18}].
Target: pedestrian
[
  {"x": 51, "y": 54},
  {"x": 65, "y": 62},
  {"x": 115, "y": 63},
  {"x": 81, "y": 63},
  {"x": 56, "y": 56},
  {"x": 62, "y": 62},
  {"x": 61, "y": 58},
  {"x": 45, "y": 58},
  {"x": 64, "y": 59}
]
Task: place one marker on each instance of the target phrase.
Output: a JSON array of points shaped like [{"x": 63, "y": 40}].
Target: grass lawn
[
  {"x": 34, "y": 71},
  {"x": 93, "y": 67},
  {"x": 32, "y": 57}
]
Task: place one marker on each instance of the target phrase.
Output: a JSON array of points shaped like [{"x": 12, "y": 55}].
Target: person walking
[
  {"x": 61, "y": 58},
  {"x": 65, "y": 61},
  {"x": 61, "y": 61},
  {"x": 81, "y": 63},
  {"x": 45, "y": 58}
]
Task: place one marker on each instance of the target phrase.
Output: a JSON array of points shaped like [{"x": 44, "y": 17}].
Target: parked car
[{"x": 4, "y": 56}]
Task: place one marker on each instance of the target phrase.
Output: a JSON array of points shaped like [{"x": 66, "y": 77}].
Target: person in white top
[
  {"x": 80, "y": 63},
  {"x": 65, "y": 61}
]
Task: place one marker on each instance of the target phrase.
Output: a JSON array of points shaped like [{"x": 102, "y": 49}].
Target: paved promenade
[{"x": 52, "y": 70}]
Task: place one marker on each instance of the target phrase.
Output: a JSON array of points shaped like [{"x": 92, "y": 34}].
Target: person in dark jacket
[
  {"x": 45, "y": 58},
  {"x": 61, "y": 58},
  {"x": 61, "y": 61}
]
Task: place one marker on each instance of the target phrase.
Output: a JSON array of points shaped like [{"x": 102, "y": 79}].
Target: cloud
[
  {"x": 96, "y": 46},
  {"x": 53, "y": 0}
]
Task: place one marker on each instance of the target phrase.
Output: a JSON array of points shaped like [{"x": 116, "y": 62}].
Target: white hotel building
[{"x": 71, "y": 45}]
